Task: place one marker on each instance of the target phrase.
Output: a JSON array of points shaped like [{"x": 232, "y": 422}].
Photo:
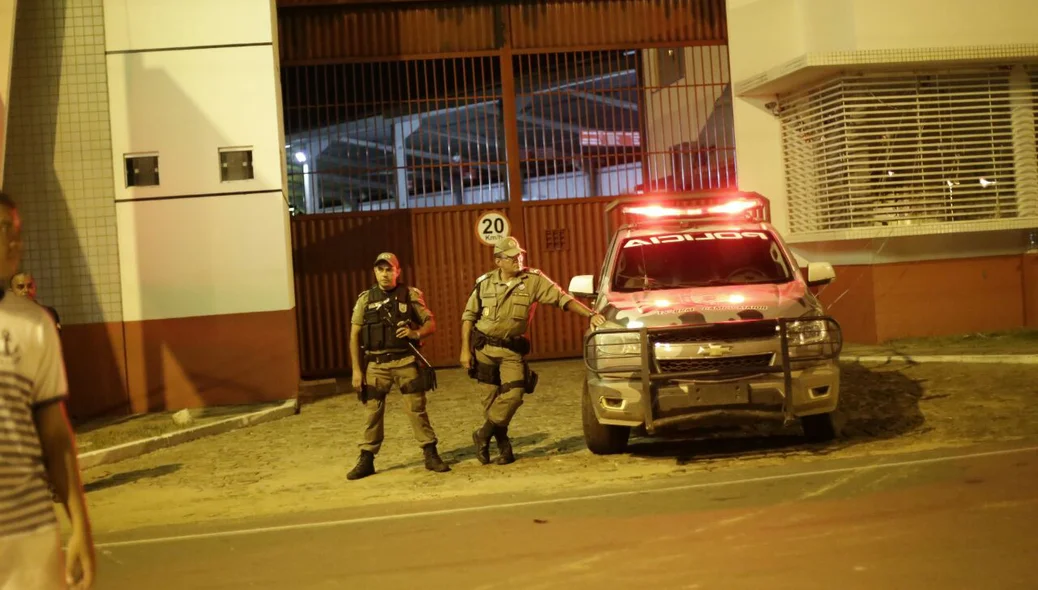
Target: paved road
[{"x": 931, "y": 520}]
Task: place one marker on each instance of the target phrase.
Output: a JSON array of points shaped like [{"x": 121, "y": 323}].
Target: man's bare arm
[{"x": 59, "y": 450}]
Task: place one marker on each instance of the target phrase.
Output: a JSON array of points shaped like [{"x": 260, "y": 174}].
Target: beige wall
[
  {"x": 194, "y": 245},
  {"x": 58, "y": 163}
]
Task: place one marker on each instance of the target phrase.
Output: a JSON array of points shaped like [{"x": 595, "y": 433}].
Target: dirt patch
[
  {"x": 1006, "y": 342},
  {"x": 110, "y": 432},
  {"x": 299, "y": 464}
]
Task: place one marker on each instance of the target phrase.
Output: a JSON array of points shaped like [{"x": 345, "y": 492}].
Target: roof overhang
[{"x": 810, "y": 68}]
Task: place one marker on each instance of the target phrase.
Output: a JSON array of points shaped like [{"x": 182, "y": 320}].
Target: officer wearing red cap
[
  {"x": 494, "y": 325},
  {"x": 389, "y": 320}
]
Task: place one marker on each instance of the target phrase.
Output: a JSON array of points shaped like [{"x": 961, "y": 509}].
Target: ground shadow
[
  {"x": 118, "y": 479},
  {"x": 465, "y": 452},
  {"x": 564, "y": 446},
  {"x": 875, "y": 403}
]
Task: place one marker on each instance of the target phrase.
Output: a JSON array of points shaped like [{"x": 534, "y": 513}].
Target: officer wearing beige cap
[
  {"x": 389, "y": 321},
  {"x": 494, "y": 325}
]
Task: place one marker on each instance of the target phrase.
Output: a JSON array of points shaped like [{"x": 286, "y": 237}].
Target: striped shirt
[{"x": 32, "y": 374}]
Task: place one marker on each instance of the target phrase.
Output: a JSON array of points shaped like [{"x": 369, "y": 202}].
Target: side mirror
[
  {"x": 582, "y": 286},
  {"x": 820, "y": 273}
]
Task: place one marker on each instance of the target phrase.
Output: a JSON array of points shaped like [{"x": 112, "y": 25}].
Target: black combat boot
[
  {"x": 481, "y": 438},
  {"x": 433, "y": 462},
  {"x": 504, "y": 446},
  {"x": 365, "y": 466}
]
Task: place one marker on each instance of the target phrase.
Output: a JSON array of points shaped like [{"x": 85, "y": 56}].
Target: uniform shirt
[
  {"x": 417, "y": 301},
  {"x": 507, "y": 306},
  {"x": 32, "y": 375}
]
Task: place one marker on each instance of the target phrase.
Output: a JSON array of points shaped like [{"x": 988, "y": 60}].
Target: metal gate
[{"x": 404, "y": 125}]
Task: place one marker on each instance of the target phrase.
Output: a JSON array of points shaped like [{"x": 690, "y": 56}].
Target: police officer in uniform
[
  {"x": 388, "y": 319},
  {"x": 494, "y": 325}
]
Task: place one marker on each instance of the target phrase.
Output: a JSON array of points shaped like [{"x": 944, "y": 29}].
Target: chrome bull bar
[{"x": 803, "y": 340}]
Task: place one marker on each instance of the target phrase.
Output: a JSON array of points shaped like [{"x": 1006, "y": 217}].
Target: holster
[
  {"x": 426, "y": 381},
  {"x": 530, "y": 379}
]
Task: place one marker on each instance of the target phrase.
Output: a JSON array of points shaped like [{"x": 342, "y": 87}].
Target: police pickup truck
[{"x": 710, "y": 323}]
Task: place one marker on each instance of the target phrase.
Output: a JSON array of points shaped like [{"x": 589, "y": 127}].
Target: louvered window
[{"x": 877, "y": 154}]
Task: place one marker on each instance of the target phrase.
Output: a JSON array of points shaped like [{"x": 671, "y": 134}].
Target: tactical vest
[{"x": 384, "y": 315}]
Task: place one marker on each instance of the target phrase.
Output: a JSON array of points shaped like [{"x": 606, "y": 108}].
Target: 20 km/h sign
[{"x": 492, "y": 226}]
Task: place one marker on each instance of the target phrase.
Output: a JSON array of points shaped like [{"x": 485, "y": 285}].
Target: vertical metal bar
[
  {"x": 787, "y": 374},
  {"x": 687, "y": 91},
  {"x": 551, "y": 166},
  {"x": 646, "y": 381},
  {"x": 422, "y": 105},
  {"x": 642, "y": 82},
  {"x": 588, "y": 162},
  {"x": 729, "y": 156},
  {"x": 449, "y": 92},
  {"x": 509, "y": 115},
  {"x": 476, "y": 163}
]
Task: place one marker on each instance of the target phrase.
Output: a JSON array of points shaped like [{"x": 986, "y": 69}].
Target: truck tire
[
  {"x": 819, "y": 428},
  {"x": 599, "y": 438}
]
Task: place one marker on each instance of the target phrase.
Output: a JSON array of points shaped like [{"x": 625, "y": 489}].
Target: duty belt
[
  {"x": 387, "y": 357},
  {"x": 517, "y": 343}
]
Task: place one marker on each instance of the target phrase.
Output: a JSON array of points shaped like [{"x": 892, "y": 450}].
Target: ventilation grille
[{"x": 911, "y": 153}]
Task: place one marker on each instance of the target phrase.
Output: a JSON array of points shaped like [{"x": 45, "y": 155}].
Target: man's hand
[
  {"x": 466, "y": 358},
  {"x": 79, "y": 561},
  {"x": 405, "y": 332},
  {"x": 358, "y": 380},
  {"x": 597, "y": 320}
]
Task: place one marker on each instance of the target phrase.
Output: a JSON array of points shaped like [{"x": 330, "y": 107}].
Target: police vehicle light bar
[{"x": 729, "y": 208}]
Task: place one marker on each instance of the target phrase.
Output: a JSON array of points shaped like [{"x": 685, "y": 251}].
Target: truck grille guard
[{"x": 802, "y": 340}]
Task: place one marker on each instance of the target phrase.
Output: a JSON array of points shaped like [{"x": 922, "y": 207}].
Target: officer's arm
[
  {"x": 355, "y": 348},
  {"x": 355, "y": 326},
  {"x": 468, "y": 317},
  {"x": 578, "y": 307},
  {"x": 551, "y": 293},
  {"x": 424, "y": 315}
]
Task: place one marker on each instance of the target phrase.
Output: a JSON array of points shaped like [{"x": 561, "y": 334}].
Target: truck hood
[{"x": 705, "y": 305}]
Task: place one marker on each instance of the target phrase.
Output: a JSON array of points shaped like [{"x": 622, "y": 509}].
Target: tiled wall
[{"x": 59, "y": 158}]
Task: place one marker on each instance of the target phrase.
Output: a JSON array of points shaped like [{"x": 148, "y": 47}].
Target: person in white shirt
[{"x": 37, "y": 445}]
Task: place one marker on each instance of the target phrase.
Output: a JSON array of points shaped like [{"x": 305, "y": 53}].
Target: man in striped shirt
[{"x": 36, "y": 441}]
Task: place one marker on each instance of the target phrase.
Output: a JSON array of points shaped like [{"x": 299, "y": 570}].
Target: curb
[
  {"x": 146, "y": 445},
  {"x": 999, "y": 359}
]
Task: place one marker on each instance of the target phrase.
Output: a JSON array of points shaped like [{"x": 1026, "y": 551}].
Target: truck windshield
[{"x": 700, "y": 259}]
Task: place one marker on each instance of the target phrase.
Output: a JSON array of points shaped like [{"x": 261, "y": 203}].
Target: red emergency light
[{"x": 734, "y": 207}]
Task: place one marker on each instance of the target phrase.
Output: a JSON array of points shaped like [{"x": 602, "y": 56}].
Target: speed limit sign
[{"x": 492, "y": 226}]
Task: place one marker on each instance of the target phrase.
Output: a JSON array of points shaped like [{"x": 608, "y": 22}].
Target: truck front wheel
[
  {"x": 601, "y": 439},
  {"x": 819, "y": 428}
]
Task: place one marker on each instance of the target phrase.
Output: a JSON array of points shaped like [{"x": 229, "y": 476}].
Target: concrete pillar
[
  {"x": 8, "y": 9},
  {"x": 58, "y": 168},
  {"x": 205, "y": 275}
]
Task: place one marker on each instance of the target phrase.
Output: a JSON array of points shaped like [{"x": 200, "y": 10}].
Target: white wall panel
[
  {"x": 204, "y": 256},
  {"x": 185, "y": 106},
  {"x": 134, "y": 25}
]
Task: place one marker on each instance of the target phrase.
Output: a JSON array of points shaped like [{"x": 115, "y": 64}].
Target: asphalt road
[{"x": 962, "y": 519}]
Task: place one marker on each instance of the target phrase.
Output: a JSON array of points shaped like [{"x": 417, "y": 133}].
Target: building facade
[
  {"x": 144, "y": 146},
  {"x": 896, "y": 139},
  {"x": 201, "y": 205}
]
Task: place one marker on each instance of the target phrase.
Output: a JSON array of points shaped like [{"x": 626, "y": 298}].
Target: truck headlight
[
  {"x": 615, "y": 351},
  {"x": 617, "y": 344},
  {"x": 807, "y": 332}
]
